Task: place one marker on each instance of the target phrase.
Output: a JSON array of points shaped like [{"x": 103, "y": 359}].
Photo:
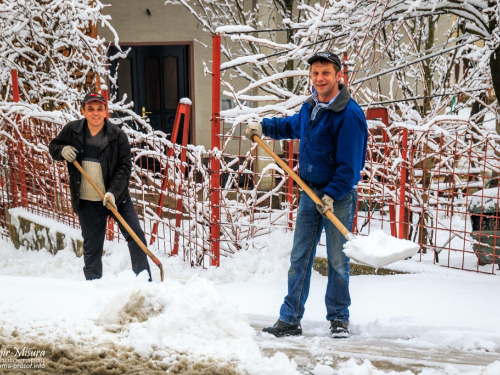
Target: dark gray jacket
[{"x": 115, "y": 159}]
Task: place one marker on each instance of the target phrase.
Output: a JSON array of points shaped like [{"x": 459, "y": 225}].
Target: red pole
[
  {"x": 110, "y": 230},
  {"x": 404, "y": 155},
  {"x": 381, "y": 113},
  {"x": 104, "y": 94},
  {"x": 345, "y": 70},
  {"x": 20, "y": 147},
  {"x": 215, "y": 163},
  {"x": 185, "y": 109},
  {"x": 15, "y": 85}
]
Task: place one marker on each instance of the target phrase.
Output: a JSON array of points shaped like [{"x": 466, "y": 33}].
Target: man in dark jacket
[
  {"x": 333, "y": 135},
  {"x": 103, "y": 151}
]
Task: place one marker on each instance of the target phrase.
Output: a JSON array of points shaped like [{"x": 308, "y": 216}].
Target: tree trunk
[{"x": 428, "y": 70}]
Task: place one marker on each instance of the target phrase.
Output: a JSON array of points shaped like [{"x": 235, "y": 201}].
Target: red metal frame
[
  {"x": 402, "y": 194},
  {"x": 214, "y": 162},
  {"x": 110, "y": 229},
  {"x": 183, "y": 111},
  {"x": 346, "y": 77},
  {"x": 19, "y": 150},
  {"x": 382, "y": 114}
]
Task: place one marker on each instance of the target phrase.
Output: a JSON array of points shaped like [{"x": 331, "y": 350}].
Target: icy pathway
[
  {"x": 435, "y": 321},
  {"x": 399, "y": 322}
]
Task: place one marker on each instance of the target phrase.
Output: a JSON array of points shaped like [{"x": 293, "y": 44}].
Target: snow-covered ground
[{"x": 433, "y": 321}]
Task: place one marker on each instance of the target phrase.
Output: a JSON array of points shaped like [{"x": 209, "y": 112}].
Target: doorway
[{"x": 155, "y": 78}]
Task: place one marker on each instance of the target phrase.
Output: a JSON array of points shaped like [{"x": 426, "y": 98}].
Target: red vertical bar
[
  {"x": 181, "y": 109},
  {"x": 345, "y": 70},
  {"x": 215, "y": 163},
  {"x": 12, "y": 173},
  {"x": 110, "y": 230},
  {"x": 404, "y": 155},
  {"x": 382, "y": 114},
  {"x": 15, "y": 85},
  {"x": 104, "y": 94},
  {"x": 185, "y": 109},
  {"x": 20, "y": 148}
]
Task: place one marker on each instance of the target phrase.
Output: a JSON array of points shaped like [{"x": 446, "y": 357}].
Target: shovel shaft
[
  {"x": 121, "y": 219},
  {"x": 329, "y": 214}
]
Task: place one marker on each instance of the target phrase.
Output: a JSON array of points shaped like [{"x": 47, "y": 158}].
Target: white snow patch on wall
[{"x": 233, "y": 29}]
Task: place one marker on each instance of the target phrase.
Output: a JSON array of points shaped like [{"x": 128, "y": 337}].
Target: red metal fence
[
  {"x": 449, "y": 203},
  {"x": 436, "y": 185}
]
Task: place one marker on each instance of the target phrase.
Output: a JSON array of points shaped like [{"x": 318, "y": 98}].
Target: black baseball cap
[
  {"x": 94, "y": 96},
  {"x": 325, "y": 55}
]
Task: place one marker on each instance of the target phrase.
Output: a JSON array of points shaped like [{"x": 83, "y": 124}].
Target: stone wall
[{"x": 35, "y": 233}]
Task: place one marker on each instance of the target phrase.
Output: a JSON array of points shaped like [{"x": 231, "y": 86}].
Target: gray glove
[
  {"x": 327, "y": 205},
  {"x": 252, "y": 129},
  {"x": 69, "y": 153},
  {"x": 109, "y": 198}
]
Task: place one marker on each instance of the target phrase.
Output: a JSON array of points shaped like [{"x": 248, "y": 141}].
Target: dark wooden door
[{"x": 155, "y": 78}]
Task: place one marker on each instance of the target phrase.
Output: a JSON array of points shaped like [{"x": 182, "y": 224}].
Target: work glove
[
  {"x": 69, "y": 153},
  {"x": 327, "y": 205},
  {"x": 252, "y": 129},
  {"x": 109, "y": 198}
]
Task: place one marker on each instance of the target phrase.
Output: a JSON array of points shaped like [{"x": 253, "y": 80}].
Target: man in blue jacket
[{"x": 333, "y": 135}]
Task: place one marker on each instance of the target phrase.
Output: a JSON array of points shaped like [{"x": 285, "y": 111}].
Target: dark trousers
[{"x": 93, "y": 217}]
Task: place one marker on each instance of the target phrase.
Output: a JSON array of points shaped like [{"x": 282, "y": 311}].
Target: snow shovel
[
  {"x": 382, "y": 248},
  {"x": 122, "y": 221}
]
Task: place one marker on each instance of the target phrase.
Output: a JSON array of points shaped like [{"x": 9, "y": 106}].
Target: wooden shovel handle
[
  {"x": 121, "y": 219},
  {"x": 329, "y": 214}
]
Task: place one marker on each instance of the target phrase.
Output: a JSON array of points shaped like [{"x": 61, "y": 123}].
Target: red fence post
[
  {"x": 186, "y": 110},
  {"x": 345, "y": 74},
  {"x": 15, "y": 85},
  {"x": 215, "y": 163},
  {"x": 104, "y": 94},
  {"x": 402, "y": 194},
  {"x": 19, "y": 150},
  {"x": 382, "y": 114},
  {"x": 110, "y": 230}
]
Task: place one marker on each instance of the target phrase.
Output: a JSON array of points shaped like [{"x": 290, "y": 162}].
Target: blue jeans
[{"x": 308, "y": 228}]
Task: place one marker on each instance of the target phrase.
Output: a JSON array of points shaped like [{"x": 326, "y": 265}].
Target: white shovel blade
[{"x": 379, "y": 249}]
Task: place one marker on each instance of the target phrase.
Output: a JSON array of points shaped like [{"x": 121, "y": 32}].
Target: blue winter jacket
[{"x": 332, "y": 147}]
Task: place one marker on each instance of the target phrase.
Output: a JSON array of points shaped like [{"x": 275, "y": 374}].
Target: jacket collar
[{"x": 339, "y": 103}]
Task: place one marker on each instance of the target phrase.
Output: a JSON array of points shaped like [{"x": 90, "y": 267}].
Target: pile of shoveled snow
[
  {"x": 193, "y": 319},
  {"x": 159, "y": 320}
]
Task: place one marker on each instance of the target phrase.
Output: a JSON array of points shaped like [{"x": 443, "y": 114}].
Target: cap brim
[
  {"x": 95, "y": 100},
  {"x": 316, "y": 58}
]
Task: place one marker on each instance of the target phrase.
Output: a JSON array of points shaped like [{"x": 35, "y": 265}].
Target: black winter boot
[
  {"x": 280, "y": 329},
  {"x": 339, "y": 329}
]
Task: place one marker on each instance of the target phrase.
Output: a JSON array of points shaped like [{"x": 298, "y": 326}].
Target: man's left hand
[
  {"x": 327, "y": 205},
  {"x": 109, "y": 198}
]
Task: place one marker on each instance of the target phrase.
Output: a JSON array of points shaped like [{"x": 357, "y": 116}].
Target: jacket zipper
[{"x": 313, "y": 125}]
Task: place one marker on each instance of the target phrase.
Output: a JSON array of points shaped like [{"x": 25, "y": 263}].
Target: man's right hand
[
  {"x": 69, "y": 153},
  {"x": 253, "y": 129}
]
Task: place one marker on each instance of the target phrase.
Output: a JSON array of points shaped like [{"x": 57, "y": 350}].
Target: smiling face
[
  {"x": 325, "y": 80},
  {"x": 95, "y": 113}
]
